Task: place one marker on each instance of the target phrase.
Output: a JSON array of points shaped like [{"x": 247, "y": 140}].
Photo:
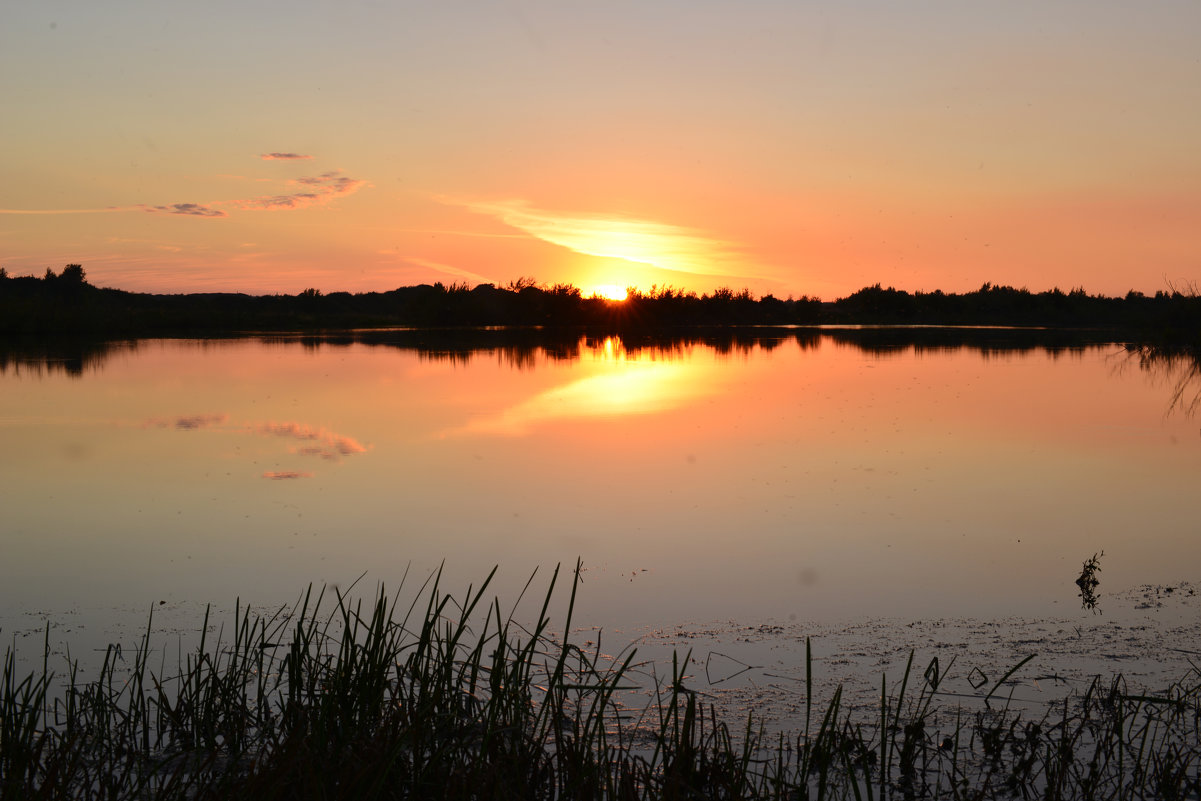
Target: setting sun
[{"x": 610, "y": 292}]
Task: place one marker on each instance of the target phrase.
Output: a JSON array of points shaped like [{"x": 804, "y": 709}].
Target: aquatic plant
[
  {"x": 451, "y": 698},
  {"x": 1088, "y": 581}
]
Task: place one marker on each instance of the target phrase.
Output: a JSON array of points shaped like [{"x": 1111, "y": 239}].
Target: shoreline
[{"x": 1146, "y": 635}]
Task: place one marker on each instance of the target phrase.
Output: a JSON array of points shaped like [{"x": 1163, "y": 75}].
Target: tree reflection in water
[
  {"x": 523, "y": 348},
  {"x": 1179, "y": 367}
]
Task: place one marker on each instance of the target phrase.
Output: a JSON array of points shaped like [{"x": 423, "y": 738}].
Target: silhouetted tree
[{"x": 72, "y": 274}]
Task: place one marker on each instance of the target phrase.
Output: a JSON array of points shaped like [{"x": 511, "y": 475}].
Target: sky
[{"x": 791, "y": 148}]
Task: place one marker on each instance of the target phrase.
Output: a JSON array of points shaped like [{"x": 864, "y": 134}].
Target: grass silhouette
[{"x": 452, "y": 698}]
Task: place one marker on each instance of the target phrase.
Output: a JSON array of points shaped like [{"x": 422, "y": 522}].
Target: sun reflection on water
[{"x": 623, "y": 383}]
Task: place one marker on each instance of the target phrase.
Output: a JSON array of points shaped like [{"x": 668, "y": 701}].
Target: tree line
[{"x": 66, "y": 302}]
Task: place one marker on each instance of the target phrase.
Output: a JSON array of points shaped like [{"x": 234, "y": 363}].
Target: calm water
[{"x": 785, "y": 475}]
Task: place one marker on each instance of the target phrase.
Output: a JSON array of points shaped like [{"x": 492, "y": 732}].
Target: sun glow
[
  {"x": 617, "y": 237},
  {"x": 609, "y": 292}
]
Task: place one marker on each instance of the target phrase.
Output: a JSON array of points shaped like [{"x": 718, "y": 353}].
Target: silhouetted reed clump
[{"x": 453, "y": 699}]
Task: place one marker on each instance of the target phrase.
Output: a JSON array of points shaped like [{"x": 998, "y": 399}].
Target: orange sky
[{"x": 792, "y": 148}]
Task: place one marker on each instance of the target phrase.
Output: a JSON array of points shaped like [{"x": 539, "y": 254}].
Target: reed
[{"x": 449, "y": 697}]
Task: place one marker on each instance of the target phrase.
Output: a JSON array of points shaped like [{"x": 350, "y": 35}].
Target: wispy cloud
[
  {"x": 315, "y": 191},
  {"x": 312, "y": 190},
  {"x": 190, "y": 209},
  {"x": 279, "y": 475},
  {"x": 106, "y": 210},
  {"x": 614, "y": 236},
  {"x": 283, "y": 156}
]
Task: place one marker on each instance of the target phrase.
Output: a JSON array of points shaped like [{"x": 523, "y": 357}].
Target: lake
[{"x": 792, "y": 476}]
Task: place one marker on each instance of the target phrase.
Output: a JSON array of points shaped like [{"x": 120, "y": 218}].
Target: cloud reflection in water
[
  {"x": 278, "y": 475},
  {"x": 323, "y": 443},
  {"x": 328, "y": 445},
  {"x": 189, "y": 422}
]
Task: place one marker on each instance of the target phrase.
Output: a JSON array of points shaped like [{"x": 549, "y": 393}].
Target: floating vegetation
[
  {"x": 1088, "y": 582},
  {"x": 451, "y": 698}
]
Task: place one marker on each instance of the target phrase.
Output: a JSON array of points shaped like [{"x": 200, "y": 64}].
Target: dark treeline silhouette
[{"x": 67, "y": 303}]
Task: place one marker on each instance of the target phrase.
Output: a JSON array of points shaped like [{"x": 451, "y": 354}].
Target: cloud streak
[
  {"x": 107, "y": 210},
  {"x": 315, "y": 191},
  {"x": 189, "y": 209},
  {"x": 283, "y": 156},
  {"x": 613, "y": 236},
  {"x": 308, "y": 191}
]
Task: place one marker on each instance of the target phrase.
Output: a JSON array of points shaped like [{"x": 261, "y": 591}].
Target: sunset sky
[{"x": 787, "y": 147}]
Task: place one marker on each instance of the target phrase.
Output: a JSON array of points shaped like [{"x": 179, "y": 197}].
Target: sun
[{"x": 610, "y": 292}]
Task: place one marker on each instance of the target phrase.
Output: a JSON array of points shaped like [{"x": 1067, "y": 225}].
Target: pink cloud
[
  {"x": 317, "y": 191},
  {"x": 283, "y": 156},
  {"x": 190, "y": 209}
]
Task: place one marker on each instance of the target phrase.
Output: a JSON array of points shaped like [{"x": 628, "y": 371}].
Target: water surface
[{"x": 771, "y": 475}]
